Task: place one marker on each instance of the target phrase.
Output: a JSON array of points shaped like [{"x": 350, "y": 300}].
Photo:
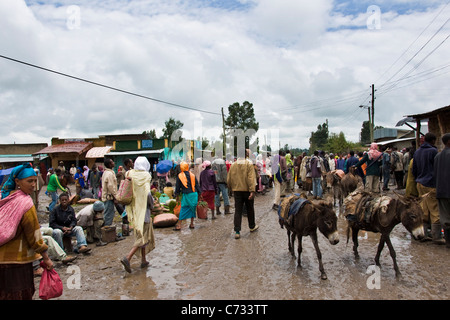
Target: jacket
[
  {"x": 109, "y": 185},
  {"x": 373, "y": 165},
  {"x": 53, "y": 184},
  {"x": 241, "y": 176},
  {"x": 62, "y": 218},
  {"x": 423, "y": 165}
]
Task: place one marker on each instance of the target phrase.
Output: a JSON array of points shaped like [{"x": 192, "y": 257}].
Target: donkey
[
  {"x": 365, "y": 211},
  {"x": 305, "y": 221}
]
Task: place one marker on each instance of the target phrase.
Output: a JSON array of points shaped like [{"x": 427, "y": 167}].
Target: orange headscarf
[{"x": 182, "y": 176}]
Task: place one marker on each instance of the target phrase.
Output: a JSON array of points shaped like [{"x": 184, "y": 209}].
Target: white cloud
[{"x": 298, "y": 62}]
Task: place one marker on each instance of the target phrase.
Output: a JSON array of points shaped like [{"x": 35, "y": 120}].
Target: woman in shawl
[
  {"x": 139, "y": 213},
  {"x": 373, "y": 158},
  {"x": 187, "y": 186},
  {"x": 21, "y": 242}
]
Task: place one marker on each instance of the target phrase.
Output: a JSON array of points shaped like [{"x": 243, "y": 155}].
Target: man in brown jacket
[{"x": 241, "y": 179}]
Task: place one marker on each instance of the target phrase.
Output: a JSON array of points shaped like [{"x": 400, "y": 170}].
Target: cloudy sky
[{"x": 299, "y": 62}]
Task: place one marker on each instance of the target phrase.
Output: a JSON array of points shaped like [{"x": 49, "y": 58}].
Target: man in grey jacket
[{"x": 220, "y": 169}]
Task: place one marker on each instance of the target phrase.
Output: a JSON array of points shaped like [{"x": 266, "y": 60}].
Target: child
[{"x": 169, "y": 190}]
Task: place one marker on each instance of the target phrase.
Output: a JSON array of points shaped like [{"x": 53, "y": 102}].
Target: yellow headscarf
[{"x": 185, "y": 168}]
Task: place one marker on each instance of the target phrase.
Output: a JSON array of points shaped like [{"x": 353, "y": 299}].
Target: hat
[
  {"x": 99, "y": 206},
  {"x": 206, "y": 163}
]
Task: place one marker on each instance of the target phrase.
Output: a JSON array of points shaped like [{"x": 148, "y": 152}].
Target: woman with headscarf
[
  {"x": 187, "y": 186},
  {"x": 373, "y": 158},
  {"x": 139, "y": 213},
  {"x": 208, "y": 185},
  {"x": 21, "y": 241}
]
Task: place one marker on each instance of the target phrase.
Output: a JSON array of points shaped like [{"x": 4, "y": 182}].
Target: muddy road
[{"x": 208, "y": 263}]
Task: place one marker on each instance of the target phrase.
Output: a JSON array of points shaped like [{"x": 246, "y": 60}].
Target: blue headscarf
[{"x": 20, "y": 172}]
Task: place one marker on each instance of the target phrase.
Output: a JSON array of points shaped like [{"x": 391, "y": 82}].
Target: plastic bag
[{"x": 51, "y": 285}]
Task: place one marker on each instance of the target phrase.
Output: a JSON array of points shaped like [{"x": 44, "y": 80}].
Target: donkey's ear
[{"x": 403, "y": 199}]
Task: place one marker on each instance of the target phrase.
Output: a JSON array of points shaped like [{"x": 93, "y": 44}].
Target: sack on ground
[{"x": 165, "y": 220}]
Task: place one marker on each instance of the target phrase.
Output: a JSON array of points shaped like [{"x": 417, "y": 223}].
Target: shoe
[
  {"x": 84, "y": 249},
  {"x": 126, "y": 264},
  {"x": 237, "y": 235},
  {"x": 144, "y": 264},
  {"x": 68, "y": 259},
  {"x": 256, "y": 227}
]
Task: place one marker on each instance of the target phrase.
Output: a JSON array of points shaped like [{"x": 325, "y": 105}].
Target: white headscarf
[{"x": 141, "y": 163}]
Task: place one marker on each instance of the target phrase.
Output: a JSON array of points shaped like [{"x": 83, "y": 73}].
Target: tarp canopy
[
  {"x": 4, "y": 174},
  {"x": 97, "y": 152}
]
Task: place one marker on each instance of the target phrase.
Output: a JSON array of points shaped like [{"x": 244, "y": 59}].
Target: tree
[
  {"x": 365, "y": 133},
  {"x": 318, "y": 139},
  {"x": 241, "y": 117},
  {"x": 150, "y": 133},
  {"x": 337, "y": 143},
  {"x": 172, "y": 126}
]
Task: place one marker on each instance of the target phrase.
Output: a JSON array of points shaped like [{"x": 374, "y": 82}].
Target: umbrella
[{"x": 164, "y": 166}]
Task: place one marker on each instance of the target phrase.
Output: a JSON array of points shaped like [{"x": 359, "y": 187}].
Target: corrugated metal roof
[
  {"x": 126, "y": 153},
  {"x": 73, "y": 147},
  {"x": 15, "y": 158},
  {"x": 97, "y": 152}
]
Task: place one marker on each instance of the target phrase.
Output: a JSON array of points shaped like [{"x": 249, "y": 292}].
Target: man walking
[
  {"x": 316, "y": 175},
  {"x": 442, "y": 174},
  {"x": 242, "y": 180},
  {"x": 423, "y": 171},
  {"x": 220, "y": 169},
  {"x": 109, "y": 191}
]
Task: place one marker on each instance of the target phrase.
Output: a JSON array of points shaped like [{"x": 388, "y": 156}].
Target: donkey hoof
[{"x": 324, "y": 276}]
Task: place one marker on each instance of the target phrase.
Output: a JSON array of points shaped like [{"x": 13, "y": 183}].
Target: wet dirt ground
[{"x": 208, "y": 263}]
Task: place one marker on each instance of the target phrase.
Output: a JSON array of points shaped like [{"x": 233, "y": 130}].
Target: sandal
[
  {"x": 144, "y": 264},
  {"x": 177, "y": 229},
  {"x": 191, "y": 226},
  {"x": 126, "y": 264}
]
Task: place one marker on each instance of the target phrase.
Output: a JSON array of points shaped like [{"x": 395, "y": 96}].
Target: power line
[
  {"x": 404, "y": 52},
  {"x": 417, "y": 65},
  {"x": 107, "y": 87},
  {"x": 415, "y": 55}
]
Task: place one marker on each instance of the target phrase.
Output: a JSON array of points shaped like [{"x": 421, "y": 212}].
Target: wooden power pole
[{"x": 372, "y": 125}]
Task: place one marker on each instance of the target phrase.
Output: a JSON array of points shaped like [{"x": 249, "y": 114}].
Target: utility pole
[
  {"x": 372, "y": 125},
  {"x": 224, "y": 148}
]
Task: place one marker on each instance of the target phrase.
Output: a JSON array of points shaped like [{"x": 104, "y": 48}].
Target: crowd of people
[{"x": 424, "y": 173}]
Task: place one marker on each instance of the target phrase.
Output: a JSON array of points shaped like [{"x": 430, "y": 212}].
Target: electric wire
[{"x": 108, "y": 87}]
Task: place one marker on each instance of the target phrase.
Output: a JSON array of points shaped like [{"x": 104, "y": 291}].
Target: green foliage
[
  {"x": 172, "y": 126},
  {"x": 319, "y": 139},
  {"x": 241, "y": 117}
]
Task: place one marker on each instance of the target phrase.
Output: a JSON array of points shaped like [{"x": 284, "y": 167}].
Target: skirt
[
  {"x": 188, "y": 205},
  {"x": 209, "y": 197},
  {"x": 16, "y": 281}
]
